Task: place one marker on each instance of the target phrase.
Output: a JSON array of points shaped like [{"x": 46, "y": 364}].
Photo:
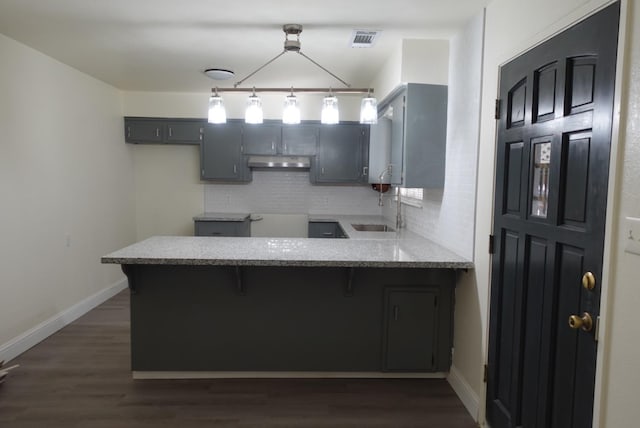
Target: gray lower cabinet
[
  {"x": 221, "y": 157},
  {"x": 342, "y": 155},
  {"x": 140, "y": 130},
  {"x": 325, "y": 229},
  {"x": 287, "y": 318},
  {"x": 411, "y": 329},
  {"x": 223, "y": 228}
]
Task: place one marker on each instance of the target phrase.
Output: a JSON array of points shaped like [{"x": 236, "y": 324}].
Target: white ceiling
[{"x": 163, "y": 45}]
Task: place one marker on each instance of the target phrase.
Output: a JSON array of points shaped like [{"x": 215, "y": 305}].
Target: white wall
[{"x": 66, "y": 188}]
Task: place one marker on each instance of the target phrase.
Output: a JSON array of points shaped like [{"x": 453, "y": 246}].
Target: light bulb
[
  {"x": 369, "y": 110},
  {"x": 330, "y": 114},
  {"x": 291, "y": 112},
  {"x": 253, "y": 113},
  {"x": 217, "y": 112}
]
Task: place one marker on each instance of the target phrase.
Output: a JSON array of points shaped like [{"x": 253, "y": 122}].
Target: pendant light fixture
[
  {"x": 253, "y": 113},
  {"x": 291, "y": 113},
  {"x": 369, "y": 110},
  {"x": 217, "y": 112},
  {"x": 330, "y": 114}
]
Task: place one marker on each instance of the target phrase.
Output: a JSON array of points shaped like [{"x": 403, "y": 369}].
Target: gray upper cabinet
[
  {"x": 261, "y": 139},
  {"x": 300, "y": 140},
  {"x": 185, "y": 131},
  {"x": 139, "y": 130},
  {"x": 221, "y": 156},
  {"x": 342, "y": 154},
  {"x": 418, "y": 116},
  {"x": 143, "y": 130}
]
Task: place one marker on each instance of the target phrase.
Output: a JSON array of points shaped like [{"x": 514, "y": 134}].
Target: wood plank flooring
[{"x": 80, "y": 377}]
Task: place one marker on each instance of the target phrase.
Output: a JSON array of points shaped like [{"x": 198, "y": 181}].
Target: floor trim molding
[
  {"x": 284, "y": 374},
  {"x": 37, "y": 334},
  {"x": 464, "y": 391}
]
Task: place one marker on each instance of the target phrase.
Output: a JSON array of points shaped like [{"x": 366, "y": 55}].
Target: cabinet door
[
  {"x": 216, "y": 228},
  {"x": 397, "y": 138},
  {"x": 411, "y": 329},
  {"x": 340, "y": 154},
  {"x": 261, "y": 139},
  {"x": 184, "y": 131},
  {"x": 300, "y": 140},
  {"x": 221, "y": 154},
  {"x": 143, "y": 131},
  {"x": 323, "y": 229}
]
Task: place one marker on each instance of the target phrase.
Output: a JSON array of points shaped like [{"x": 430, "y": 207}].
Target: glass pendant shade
[
  {"x": 369, "y": 110},
  {"x": 253, "y": 113},
  {"x": 217, "y": 112},
  {"x": 330, "y": 114},
  {"x": 291, "y": 112}
]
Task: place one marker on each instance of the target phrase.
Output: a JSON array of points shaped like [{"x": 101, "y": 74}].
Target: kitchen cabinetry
[
  {"x": 343, "y": 152},
  {"x": 221, "y": 156},
  {"x": 277, "y": 139},
  {"x": 417, "y": 117},
  {"x": 140, "y": 130},
  {"x": 223, "y": 228},
  {"x": 261, "y": 139},
  {"x": 325, "y": 229},
  {"x": 300, "y": 140},
  {"x": 411, "y": 320}
]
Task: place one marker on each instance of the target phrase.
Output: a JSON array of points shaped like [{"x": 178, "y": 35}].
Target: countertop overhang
[{"x": 368, "y": 249}]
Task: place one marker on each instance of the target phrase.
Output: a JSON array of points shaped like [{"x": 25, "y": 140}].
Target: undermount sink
[{"x": 372, "y": 228}]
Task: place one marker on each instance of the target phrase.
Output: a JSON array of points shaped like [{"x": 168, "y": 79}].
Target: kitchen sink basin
[{"x": 372, "y": 228}]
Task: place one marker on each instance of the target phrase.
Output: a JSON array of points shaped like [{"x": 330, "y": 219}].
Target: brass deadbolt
[{"x": 589, "y": 281}]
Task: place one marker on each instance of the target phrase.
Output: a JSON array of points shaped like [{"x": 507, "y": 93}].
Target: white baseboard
[
  {"x": 464, "y": 391},
  {"x": 37, "y": 334}
]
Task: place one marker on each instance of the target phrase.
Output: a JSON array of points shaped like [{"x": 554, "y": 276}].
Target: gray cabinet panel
[
  {"x": 340, "y": 156},
  {"x": 143, "y": 130},
  {"x": 223, "y": 228},
  {"x": 221, "y": 154},
  {"x": 261, "y": 139},
  {"x": 184, "y": 131},
  {"x": 411, "y": 336},
  {"x": 325, "y": 229},
  {"x": 418, "y": 114},
  {"x": 300, "y": 140}
]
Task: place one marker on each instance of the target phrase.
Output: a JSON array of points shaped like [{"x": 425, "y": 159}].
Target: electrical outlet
[{"x": 632, "y": 232}]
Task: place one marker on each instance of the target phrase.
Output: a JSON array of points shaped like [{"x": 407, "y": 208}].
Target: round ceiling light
[{"x": 219, "y": 73}]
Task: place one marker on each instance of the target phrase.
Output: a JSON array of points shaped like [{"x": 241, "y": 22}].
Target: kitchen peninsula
[{"x": 376, "y": 304}]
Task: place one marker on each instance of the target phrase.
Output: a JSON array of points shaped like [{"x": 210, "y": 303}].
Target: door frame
[{"x": 613, "y": 190}]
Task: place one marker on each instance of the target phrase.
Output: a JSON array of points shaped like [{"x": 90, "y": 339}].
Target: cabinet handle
[
  {"x": 235, "y": 169},
  {"x": 273, "y": 146},
  {"x": 322, "y": 170},
  {"x": 396, "y": 312},
  {"x": 128, "y": 131},
  {"x": 201, "y": 132},
  {"x": 284, "y": 148},
  {"x": 365, "y": 170},
  {"x": 327, "y": 234},
  {"x": 170, "y": 132},
  {"x": 157, "y": 132}
]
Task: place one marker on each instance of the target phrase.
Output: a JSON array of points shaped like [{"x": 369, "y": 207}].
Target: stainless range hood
[{"x": 283, "y": 162}]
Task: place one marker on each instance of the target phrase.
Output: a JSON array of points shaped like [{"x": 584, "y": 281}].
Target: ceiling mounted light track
[{"x": 292, "y": 111}]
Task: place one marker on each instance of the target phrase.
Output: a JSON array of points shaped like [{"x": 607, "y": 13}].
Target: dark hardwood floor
[{"x": 80, "y": 377}]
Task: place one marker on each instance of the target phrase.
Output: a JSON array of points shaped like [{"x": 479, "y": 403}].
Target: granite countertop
[
  {"x": 209, "y": 216},
  {"x": 363, "y": 249}
]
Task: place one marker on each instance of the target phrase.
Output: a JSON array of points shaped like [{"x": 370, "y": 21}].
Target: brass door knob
[
  {"x": 589, "y": 281},
  {"x": 584, "y": 322}
]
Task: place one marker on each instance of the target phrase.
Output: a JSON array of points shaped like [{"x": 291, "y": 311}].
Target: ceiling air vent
[{"x": 363, "y": 38}]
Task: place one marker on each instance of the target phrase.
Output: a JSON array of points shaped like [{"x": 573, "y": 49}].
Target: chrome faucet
[{"x": 387, "y": 171}]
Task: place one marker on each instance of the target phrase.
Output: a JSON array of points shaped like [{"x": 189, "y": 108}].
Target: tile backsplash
[{"x": 288, "y": 192}]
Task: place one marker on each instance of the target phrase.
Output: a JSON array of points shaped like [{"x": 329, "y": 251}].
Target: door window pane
[{"x": 540, "y": 190}]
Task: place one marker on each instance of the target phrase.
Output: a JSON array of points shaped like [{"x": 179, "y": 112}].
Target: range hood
[{"x": 285, "y": 162}]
